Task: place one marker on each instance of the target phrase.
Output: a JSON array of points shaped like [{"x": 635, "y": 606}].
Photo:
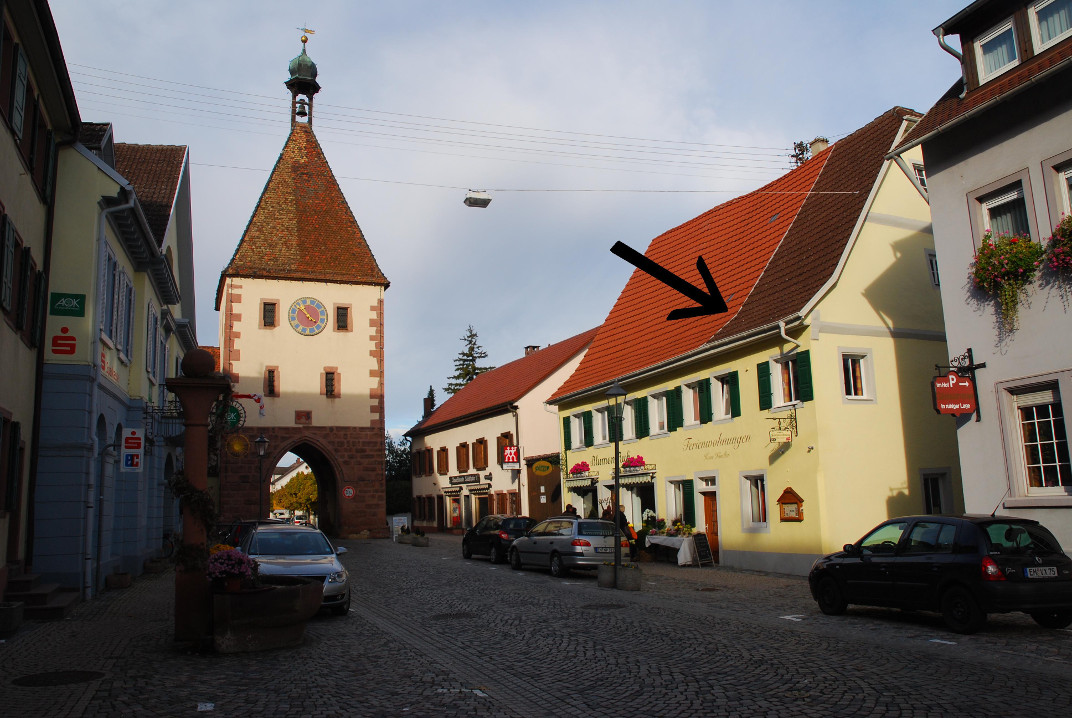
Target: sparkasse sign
[{"x": 954, "y": 394}]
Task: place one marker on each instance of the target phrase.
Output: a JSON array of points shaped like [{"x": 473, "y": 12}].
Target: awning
[
  {"x": 583, "y": 483},
  {"x": 480, "y": 489},
  {"x": 634, "y": 479},
  {"x": 452, "y": 490}
]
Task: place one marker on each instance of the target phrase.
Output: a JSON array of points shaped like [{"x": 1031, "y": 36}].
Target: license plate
[
  {"x": 1041, "y": 572},
  {"x": 603, "y": 549}
]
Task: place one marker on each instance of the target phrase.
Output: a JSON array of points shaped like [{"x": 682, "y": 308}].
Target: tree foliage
[
  {"x": 467, "y": 363},
  {"x": 431, "y": 395},
  {"x": 299, "y": 494},
  {"x": 398, "y": 483}
]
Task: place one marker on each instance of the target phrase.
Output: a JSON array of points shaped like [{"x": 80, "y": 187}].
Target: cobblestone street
[{"x": 430, "y": 634}]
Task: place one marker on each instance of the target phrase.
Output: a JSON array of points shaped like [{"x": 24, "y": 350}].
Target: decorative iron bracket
[
  {"x": 788, "y": 422},
  {"x": 964, "y": 365}
]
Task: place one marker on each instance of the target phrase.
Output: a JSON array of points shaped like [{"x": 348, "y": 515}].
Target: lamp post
[
  {"x": 615, "y": 393},
  {"x": 262, "y": 449}
]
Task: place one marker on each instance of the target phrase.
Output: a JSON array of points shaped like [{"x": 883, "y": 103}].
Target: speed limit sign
[{"x": 348, "y": 492}]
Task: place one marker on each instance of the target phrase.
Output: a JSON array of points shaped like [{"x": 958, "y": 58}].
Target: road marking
[
  {"x": 939, "y": 640},
  {"x": 202, "y": 707},
  {"x": 797, "y": 617}
]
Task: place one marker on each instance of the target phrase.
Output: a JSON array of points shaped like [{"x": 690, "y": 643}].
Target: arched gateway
[{"x": 301, "y": 334}]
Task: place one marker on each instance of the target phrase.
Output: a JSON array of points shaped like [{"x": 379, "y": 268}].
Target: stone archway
[{"x": 327, "y": 482}]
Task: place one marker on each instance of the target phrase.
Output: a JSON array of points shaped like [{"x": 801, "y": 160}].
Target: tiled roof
[
  {"x": 302, "y": 227},
  {"x": 92, "y": 134},
  {"x": 154, "y": 170},
  {"x": 951, "y": 108},
  {"x": 215, "y": 352},
  {"x": 504, "y": 385},
  {"x": 769, "y": 251}
]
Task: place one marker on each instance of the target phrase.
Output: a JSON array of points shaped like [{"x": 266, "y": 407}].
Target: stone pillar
[{"x": 197, "y": 390}]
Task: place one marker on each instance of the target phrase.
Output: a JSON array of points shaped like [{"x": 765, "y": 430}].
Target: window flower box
[{"x": 1003, "y": 268}]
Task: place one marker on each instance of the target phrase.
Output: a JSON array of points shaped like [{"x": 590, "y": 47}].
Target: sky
[{"x": 589, "y": 122}]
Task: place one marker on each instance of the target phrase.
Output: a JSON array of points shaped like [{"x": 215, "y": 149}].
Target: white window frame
[
  {"x": 577, "y": 430},
  {"x": 1004, "y": 198},
  {"x": 749, "y": 524},
  {"x": 721, "y": 401},
  {"x": 628, "y": 425},
  {"x": 932, "y": 267},
  {"x": 1021, "y": 495},
  {"x": 1064, "y": 178},
  {"x": 866, "y": 359},
  {"x": 690, "y": 399},
  {"x": 675, "y": 498},
  {"x": 945, "y": 489},
  {"x": 1036, "y": 32},
  {"x": 778, "y": 384},
  {"x": 921, "y": 174},
  {"x": 657, "y": 406},
  {"x": 993, "y": 33},
  {"x": 1030, "y": 397},
  {"x": 601, "y": 425}
]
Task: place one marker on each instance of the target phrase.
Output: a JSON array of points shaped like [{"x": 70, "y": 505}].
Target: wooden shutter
[
  {"x": 640, "y": 417},
  {"x": 50, "y": 167},
  {"x": 463, "y": 457},
  {"x": 706, "y": 414},
  {"x": 763, "y": 379},
  {"x": 7, "y": 264},
  {"x": 22, "y": 296},
  {"x": 567, "y": 435},
  {"x": 586, "y": 424},
  {"x": 40, "y": 309},
  {"x": 18, "y": 97},
  {"x": 689, "y": 500},
  {"x": 675, "y": 412},
  {"x": 734, "y": 383},
  {"x": 805, "y": 390}
]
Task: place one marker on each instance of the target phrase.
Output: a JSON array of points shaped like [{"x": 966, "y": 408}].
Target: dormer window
[
  {"x": 996, "y": 51},
  {"x": 1051, "y": 22}
]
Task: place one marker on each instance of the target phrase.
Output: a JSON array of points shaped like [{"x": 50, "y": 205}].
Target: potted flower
[
  {"x": 230, "y": 568},
  {"x": 1003, "y": 268},
  {"x": 419, "y": 539},
  {"x": 1059, "y": 247},
  {"x": 634, "y": 462},
  {"x": 581, "y": 467}
]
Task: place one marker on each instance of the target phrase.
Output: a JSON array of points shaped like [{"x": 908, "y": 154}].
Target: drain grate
[
  {"x": 57, "y": 678},
  {"x": 603, "y": 606},
  {"x": 459, "y": 615}
]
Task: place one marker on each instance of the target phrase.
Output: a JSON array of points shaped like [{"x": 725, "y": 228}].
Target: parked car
[
  {"x": 232, "y": 533},
  {"x": 964, "y": 567},
  {"x": 562, "y": 543},
  {"x": 289, "y": 550},
  {"x": 493, "y": 535}
]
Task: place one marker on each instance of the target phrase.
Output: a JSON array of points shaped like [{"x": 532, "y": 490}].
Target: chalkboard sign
[{"x": 703, "y": 549}]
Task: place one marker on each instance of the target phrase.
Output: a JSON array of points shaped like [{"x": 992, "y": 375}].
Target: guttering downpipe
[
  {"x": 100, "y": 514},
  {"x": 939, "y": 32},
  {"x": 783, "y": 335}
]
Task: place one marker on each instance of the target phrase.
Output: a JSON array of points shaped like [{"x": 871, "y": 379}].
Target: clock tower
[{"x": 301, "y": 335}]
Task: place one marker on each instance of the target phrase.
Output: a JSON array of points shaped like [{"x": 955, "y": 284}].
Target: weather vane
[{"x": 306, "y": 32}]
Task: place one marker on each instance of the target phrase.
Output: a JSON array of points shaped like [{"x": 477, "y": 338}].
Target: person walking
[{"x": 628, "y": 532}]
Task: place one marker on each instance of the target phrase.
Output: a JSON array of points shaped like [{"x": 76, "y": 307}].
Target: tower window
[
  {"x": 329, "y": 383},
  {"x": 271, "y": 381},
  {"x": 269, "y": 314},
  {"x": 342, "y": 318}
]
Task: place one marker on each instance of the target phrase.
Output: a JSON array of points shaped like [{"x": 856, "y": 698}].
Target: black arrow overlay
[{"x": 710, "y": 302}]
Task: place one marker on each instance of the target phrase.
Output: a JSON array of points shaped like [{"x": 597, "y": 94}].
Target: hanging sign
[
  {"x": 953, "y": 394},
  {"x": 131, "y": 451},
  {"x": 542, "y": 468},
  {"x": 511, "y": 457},
  {"x": 781, "y": 436}
]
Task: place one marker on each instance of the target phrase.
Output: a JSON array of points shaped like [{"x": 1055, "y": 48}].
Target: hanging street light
[{"x": 262, "y": 449}]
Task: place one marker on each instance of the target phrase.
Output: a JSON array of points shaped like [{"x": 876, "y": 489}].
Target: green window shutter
[
  {"x": 704, "y": 387},
  {"x": 689, "y": 509},
  {"x": 567, "y": 438},
  {"x": 614, "y": 422},
  {"x": 763, "y": 379},
  {"x": 805, "y": 391},
  {"x": 640, "y": 417},
  {"x": 586, "y": 425},
  {"x": 18, "y": 94},
  {"x": 7, "y": 264},
  {"x": 675, "y": 418},
  {"x": 734, "y": 383}
]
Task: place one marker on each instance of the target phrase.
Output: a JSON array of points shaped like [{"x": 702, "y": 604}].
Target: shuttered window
[
  {"x": 675, "y": 418},
  {"x": 567, "y": 435},
  {"x": 763, "y": 379},
  {"x": 640, "y": 417},
  {"x": 586, "y": 423}
]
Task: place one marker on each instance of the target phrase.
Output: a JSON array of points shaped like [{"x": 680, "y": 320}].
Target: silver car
[
  {"x": 289, "y": 550},
  {"x": 562, "y": 543}
]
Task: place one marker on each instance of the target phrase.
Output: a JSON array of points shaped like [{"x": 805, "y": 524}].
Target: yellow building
[{"x": 799, "y": 418}]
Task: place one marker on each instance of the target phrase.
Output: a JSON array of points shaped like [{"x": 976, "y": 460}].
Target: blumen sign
[{"x": 954, "y": 394}]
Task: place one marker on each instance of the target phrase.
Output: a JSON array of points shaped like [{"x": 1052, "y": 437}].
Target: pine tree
[
  {"x": 431, "y": 395},
  {"x": 467, "y": 363}
]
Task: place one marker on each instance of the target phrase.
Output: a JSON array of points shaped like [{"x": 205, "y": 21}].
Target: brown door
[
  {"x": 710, "y": 510},
  {"x": 544, "y": 497}
]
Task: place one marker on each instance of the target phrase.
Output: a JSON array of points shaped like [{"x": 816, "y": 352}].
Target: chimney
[
  {"x": 818, "y": 145},
  {"x": 532, "y": 349},
  {"x": 427, "y": 406}
]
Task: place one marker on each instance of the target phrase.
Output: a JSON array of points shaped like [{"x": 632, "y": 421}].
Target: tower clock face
[{"x": 308, "y": 316}]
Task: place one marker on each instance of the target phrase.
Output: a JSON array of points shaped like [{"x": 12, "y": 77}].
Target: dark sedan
[
  {"x": 961, "y": 566},
  {"x": 493, "y": 535}
]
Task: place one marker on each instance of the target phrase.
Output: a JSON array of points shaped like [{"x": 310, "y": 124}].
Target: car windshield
[
  {"x": 595, "y": 528},
  {"x": 289, "y": 543},
  {"x": 884, "y": 539},
  {"x": 1014, "y": 537}
]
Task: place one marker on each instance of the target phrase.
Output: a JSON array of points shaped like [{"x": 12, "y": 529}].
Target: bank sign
[{"x": 954, "y": 394}]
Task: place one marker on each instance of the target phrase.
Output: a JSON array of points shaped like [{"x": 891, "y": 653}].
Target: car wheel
[
  {"x": 344, "y": 608},
  {"x": 961, "y": 611},
  {"x": 558, "y": 569},
  {"x": 1052, "y": 619},
  {"x": 515, "y": 559},
  {"x": 830, "y": 598},
  {"x": 496, "y": 554},
  {"x": 466, "y": 551}
]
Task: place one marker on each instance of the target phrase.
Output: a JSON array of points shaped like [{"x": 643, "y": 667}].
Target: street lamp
[
  {"x": 616, "y": 393},
  {"x": 262, "y": 449}
]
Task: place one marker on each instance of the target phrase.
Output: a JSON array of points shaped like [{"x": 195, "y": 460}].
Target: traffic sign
[{"x": 348, "y": 491}]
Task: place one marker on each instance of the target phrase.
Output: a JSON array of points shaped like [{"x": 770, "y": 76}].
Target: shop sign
[
  {"x": 542, "y": 468},
  {"x": 61, "y": 304},
  {"x": 462, "y": 479},
  {"x": 781, "y": 436},
  {"x": 133, "y": 443},
  {"x": 953, "y": 394},
  {"x": 511, "y": 457}
]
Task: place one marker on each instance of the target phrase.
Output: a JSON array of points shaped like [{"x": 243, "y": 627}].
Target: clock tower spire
[{"x": 302, "y": 84}]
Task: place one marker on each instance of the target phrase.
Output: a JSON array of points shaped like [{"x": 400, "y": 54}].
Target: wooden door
[{"x": 710, "y": 509}]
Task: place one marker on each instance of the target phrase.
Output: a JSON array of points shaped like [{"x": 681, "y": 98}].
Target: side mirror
[
  {"x": 850, "y": 549},
  {"x": 340, "y": 550}
]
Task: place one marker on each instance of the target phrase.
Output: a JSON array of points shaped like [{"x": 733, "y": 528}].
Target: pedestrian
[
  {"x": 628, "y": 531},
  {"x": 608, "y": 514},
  {"x": 570, "y": 510}
]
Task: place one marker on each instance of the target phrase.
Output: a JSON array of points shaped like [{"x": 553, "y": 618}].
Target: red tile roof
[
  {"x": 952, "y": 109},
  {"x": 500, "y": 387},
  {"x": 302, "y": 227},
  {"x": 769, "y": 251},
  {"x": 154, "y": 171}
]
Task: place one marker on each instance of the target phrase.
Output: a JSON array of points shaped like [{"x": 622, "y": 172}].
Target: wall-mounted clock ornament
[{"x": 308, "y": 316}]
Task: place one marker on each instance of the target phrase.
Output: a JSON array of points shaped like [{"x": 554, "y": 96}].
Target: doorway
[{"x": 710, "y": 510}]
